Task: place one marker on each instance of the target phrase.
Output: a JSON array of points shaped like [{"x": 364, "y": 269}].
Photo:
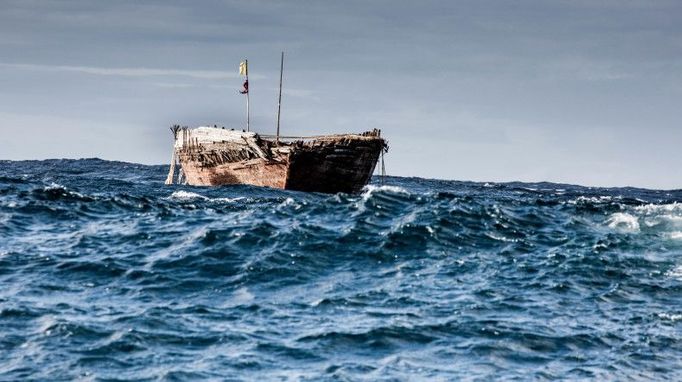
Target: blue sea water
[{"x": 107, "y": 274}]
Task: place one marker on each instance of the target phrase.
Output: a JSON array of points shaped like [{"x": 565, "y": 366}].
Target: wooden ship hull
[{"x": 210, "y": 156}]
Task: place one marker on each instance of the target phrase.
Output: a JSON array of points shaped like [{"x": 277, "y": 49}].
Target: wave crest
[{"x": 624, "y": 222}]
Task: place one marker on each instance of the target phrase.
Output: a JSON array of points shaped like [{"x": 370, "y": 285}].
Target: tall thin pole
[
  {"x": 248, "y": 114},
  {"x": 279, "y": 102},
  {"x": 383, "y": 168}
]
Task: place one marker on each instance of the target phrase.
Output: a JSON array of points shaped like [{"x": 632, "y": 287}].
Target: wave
[
  {"x": 676, "y": 235},
  {"x": 187, "y": 195},
  {"x": 183, "y": 195},
  {"x": 675, "y": 273},
  {"x": 658, "y": 209},
  {"x": 670, "y": 316},
  {"x": 56, "y": 191},
  {"x": 371, "y": 189},
  {"x": 623, "y": 221},
  {"x": 592, "y": 199},
  {"x": 662, "y": 219},
  {"x": 102, "y": 266}
]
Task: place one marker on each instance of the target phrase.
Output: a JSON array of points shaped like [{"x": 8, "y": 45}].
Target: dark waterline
[{"x": 107, "y": 274}]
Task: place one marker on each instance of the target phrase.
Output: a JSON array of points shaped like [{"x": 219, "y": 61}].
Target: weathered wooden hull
[{"x": 330, "y": 164}]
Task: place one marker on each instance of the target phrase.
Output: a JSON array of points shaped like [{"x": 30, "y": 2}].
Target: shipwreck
[{"x": 212, "y": 156}]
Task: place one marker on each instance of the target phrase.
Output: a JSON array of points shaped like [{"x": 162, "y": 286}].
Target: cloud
[
  {"x": 180, "y": 85},
  {"x": 128, "y": 72}
]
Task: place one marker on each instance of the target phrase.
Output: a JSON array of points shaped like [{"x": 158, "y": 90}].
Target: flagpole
[
  {"x": 279, "y": 102},
  {"x": 248, "y": 113}
]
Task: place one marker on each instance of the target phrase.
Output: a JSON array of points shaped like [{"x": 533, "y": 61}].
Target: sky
[{"x": 583, "y": 91}]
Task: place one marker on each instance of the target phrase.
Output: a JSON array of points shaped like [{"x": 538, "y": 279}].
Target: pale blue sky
[{"x": 583, "y": 92}]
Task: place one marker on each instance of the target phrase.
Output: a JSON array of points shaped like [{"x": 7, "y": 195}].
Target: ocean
[{"x": 108, "y": 274}]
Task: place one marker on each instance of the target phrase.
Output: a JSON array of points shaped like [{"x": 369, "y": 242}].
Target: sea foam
[{"x": 624, "y": 222}]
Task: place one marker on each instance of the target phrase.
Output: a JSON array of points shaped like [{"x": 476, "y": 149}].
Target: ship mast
[
  {"x": 279, "y": 102},
  {"x": 248, "y": 114},
  {"x": 244, "y": 71}
]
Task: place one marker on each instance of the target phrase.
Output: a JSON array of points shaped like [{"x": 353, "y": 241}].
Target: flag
[
  {"x": 246, "y": 88},
  {"x": 243, "y": 69}
]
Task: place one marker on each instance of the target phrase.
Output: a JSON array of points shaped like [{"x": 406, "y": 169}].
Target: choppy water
[{"x": 106, "y": 273}]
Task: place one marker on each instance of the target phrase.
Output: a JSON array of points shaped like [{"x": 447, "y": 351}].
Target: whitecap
[
  {"x": 676, "y": 235},
  {"x": 227, "y": 200},
  {"x": 242, "y": 296},
  {"x": 187, "y": 195},
  {"x": 371, "y": 189},
  {"x": 501, "y": 238},
  {"x": 675, "y": 272},
  {"x": 655, "y": 209},
  {"x": 623, "y": 222},
  {"x": 665, "y": 218},
  {"x": 392, "y": 189},
  {"x": 288, "y": 202},
  {"x": 58, "y": 187},
  {"x": 591, "y": 199},
  {"x": 54, "y": 186},
  {"x": 671, "y": 317},
  {"x": 654, "y": 220}
]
